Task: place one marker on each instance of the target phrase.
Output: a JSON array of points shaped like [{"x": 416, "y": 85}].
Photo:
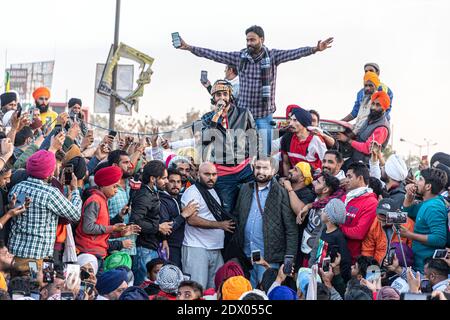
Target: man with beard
[
  {"x": 300, "y": 144},
  {"x": 369, "y": 67},
  {"x": 41, "y": 97},
  {"x": 326, "y": 187},
  {"x": 430, "y": 215},
  {"x": 229, "y": 138},
  {"x": 118, "y": 205},
  {"x": 183, "y": 166},
  {"x": 266, "y": 222},
  {"x": 76, "y": 115},
  {"x": 145, "y": 210},
  {"x": 205, "y": 232},
  {"x": 257, "y": 69},
  {"x": 375, "y": 129},
  {"x": 332, "y": 164},
  {"x": 170, "y": 211}
]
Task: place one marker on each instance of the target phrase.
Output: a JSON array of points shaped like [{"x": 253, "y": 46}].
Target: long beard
[
  {"x": 42, "y": 108},
  {"x": 374, "y": 115}
]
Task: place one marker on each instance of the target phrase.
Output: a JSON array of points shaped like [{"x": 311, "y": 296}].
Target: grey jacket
[{"x": 279, "y": 226}]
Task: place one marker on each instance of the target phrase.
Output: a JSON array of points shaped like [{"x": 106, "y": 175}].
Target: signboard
[
  {"x": 38, "y": 74},
  {"x": 125, "y": 78},
  {"x": 19, "y": 81}
]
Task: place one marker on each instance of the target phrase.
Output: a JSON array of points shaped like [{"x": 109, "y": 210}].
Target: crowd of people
[{"x": 239, "y": 211}]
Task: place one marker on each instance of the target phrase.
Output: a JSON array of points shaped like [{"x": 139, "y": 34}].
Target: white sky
[{"x": 409, "y": 39}]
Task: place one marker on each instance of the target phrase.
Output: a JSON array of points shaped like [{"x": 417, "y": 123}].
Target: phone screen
[
  {"x": 440, "y": 254},
  {"x": 113, "y": 133},
  {"x": 176, "y": 39},
  {"x": 58, "y": 129},
  {"x": 288, "y": 264},
  {"x": 68, "y": 170},
  {"x": 204, "y": 76},
  {"x": 256, "y": 255},
  {"x": 33, "y": 270},
  {"x": 48, "y": 271},
  {"x": 326, "y": 264},
  {"x": 20, "y": 200}
]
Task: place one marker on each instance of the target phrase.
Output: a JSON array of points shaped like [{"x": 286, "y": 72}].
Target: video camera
[
  {"x": 392, "y": 212},
  {"x": 396, "y": 217}
]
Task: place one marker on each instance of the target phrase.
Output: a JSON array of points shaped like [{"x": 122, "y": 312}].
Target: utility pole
[{"x": 112, "y": 105}]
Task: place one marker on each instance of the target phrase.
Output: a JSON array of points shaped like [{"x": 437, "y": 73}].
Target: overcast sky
[{"x": 409, "y": 39}]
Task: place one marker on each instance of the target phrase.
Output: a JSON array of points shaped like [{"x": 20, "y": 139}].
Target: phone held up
[
  {"x": 176, "y": 40},
  {"x": 68, "y": 170},
  {"x": 48, "y": 271},
  {"x": 288, "y": 264},
  {"x": 256, "y": 255},
  {"x": 204, "y": 77}
]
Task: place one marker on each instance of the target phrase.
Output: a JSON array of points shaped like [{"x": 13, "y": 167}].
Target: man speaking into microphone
[{"x": 229, "y": 140}]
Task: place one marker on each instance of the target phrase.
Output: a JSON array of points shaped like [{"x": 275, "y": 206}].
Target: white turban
[
  {"x": 396, "y": 168},
  {"x": 86, "y": 258}
]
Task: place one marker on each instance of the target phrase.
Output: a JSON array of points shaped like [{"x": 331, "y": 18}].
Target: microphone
[{"x": 221, "y": 104}]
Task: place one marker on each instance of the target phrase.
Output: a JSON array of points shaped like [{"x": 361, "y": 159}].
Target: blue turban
[
  {"x": 302, "y": 116},
  {"x": 109, "y": 281},
  {"x": 282, "y": 293}
]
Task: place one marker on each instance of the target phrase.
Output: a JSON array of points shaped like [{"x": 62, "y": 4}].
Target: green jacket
[{"x": 279, "y": 226}]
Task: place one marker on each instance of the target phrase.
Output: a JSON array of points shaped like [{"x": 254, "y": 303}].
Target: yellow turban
[
  {"x": 305, "y": 168},
  {"x": 372, "y": 77},
  {"x": 234, "y": 287}
]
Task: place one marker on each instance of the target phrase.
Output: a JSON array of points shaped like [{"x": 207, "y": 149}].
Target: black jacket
[
  {"x": 279, "y": 226},
  {"x": 170, "y": 211},
  {"x": 397, "y": 195},
  {"x": 233, "y": 146},
  {"x": 145, "y": 208}
]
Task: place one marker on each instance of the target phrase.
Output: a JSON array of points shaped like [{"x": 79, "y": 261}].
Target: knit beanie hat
[
  {"x": 335, "y": 210},
  {"x": 396, "y": 168},
  {"x": 169, "y": 278}
]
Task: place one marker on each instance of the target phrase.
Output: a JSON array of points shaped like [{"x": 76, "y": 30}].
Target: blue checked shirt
[
  {"x": 250, "y": 83},
  {"x": 254, "y": 235},
  {"x": 33, "y": 233}
]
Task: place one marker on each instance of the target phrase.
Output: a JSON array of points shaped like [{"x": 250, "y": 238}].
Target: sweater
[
  {"x": 361, "y": 212},
  {"x": 430, "y": 219}
]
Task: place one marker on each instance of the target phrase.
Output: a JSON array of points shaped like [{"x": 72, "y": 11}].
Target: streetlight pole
[
  {"x": 112, "y": 105},
  {"x": 429, "y": 144}
]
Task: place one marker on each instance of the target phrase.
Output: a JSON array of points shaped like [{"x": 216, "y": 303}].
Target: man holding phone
[{"x": 257, "y": 72}]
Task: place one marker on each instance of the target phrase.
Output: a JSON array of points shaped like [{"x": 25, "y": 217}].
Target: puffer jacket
[{"x": 279, "y": 226}]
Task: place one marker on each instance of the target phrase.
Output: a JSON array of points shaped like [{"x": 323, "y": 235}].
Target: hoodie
[{"x": 361, "y": 211}]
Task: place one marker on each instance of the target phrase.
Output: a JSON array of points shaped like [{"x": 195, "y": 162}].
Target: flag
[{"x": 7, "y": 82}]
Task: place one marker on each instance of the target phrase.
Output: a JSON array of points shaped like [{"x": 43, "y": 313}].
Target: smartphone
[
  {"x": 72, "y": 269},
  {"x": 32, "y": 265},
  {"x": 58, "y": 129},
  {"x": 425, "y": 286},
  {"x": 68, "y": 170},
  {"x": 84, "y": 275},
  {"x": 256, "y": 255},
  {"x": 176, "y": 40},
  {"x": 415, "y": 296},
  {"x": 288, "y": 264},
  {"x": 112, "y": 133},
  {"x": 204, "y": 77},
  {"x": 19, "y": 111},
  {"x": 20, "y": 200},
  {"x": 391, "y": 256},
  {"x": 440, "y": 254},
  {"x": 48, "y": 271},
  {"x": 326, "y": 264},
  {"x": 66, "y": 296}
]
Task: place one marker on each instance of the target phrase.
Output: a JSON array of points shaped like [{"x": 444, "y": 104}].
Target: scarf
[
  {"x": 321, "y": 203},
  {"x": 266, "y": 74},
  {"x": 214, "y": 207},
  {"x": 358, "y": 192}
]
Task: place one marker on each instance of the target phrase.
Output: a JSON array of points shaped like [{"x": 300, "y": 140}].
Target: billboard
[
  {"x": 125, "y": 78},
  {"x": 26, "y": 77}
]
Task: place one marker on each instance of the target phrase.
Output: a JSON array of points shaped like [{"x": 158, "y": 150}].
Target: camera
[{"x": 396, "y": 218}]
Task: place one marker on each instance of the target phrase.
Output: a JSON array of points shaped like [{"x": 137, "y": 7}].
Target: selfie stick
[{"x": 397, "y": 230}]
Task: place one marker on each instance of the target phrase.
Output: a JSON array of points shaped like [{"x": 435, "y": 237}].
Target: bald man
[{"x": 205, "y": 233}]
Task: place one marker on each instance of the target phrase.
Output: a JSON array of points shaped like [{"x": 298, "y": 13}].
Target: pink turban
[{"x": 41, "y": 165}]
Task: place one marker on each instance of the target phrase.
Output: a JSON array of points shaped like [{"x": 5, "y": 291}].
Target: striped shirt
[
  {"x": 250, "y": 81},
  {"x": 33, "y": 233}
]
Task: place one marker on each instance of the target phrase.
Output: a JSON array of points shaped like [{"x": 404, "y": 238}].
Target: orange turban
[
  {"x": 382, "y": 98},
  {"x": 41, "y": 92},
  {"x": 234, "y": 287},
  {"x": 372, "y": 77}
]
